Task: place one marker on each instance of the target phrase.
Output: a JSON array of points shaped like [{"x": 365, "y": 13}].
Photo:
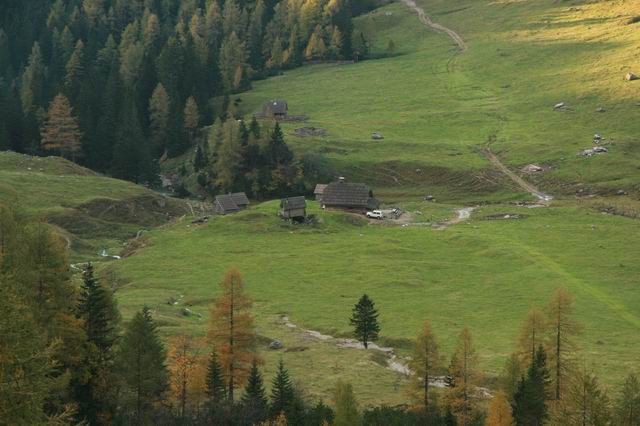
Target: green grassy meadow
[
  {"x": 484, "y": 274},
  {"x": 436, "y": 109},
  {"x": 93, "y": 212}
]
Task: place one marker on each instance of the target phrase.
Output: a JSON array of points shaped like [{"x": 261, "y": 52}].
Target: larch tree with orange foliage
[
  {"x": 425, "y": 361},
  {"x": 61, "y": 131},
  {"x": 185, "y": 369},
  {"x": 231, "y": 331},
  {"x": 531, "y": 336},
  {"x": 465, "y": 376},
  {"x": 561, "y": 345},
  {"x": 499, "y": 411}
]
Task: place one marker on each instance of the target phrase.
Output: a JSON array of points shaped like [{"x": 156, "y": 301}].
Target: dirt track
[
  {"x": 515, "y": 178},
  {"x": 425, "y": 19}
]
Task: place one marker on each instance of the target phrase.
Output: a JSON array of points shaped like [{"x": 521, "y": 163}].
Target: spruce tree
[
  {"x": 282, "y": 393},
  {"x": 141, "y": 362},
  {"x": 530, "y": 400},
  {"x": 97, "y": 310},
  {"x": 254, "y": 400},
  {"x": 216, "y": 388},
  {"x": 628, "y": 405},
  {"x": 365, "y": 321}
]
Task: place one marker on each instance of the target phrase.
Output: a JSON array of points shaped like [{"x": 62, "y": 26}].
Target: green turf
[
  {"x": 92, "y": 211},
  {"x": 484, "y": 274},
  {"x": 437, "y": 109}
]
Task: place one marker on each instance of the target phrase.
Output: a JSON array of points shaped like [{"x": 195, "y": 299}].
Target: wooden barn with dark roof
[
  {"x": 277, "y": 109},
  {"x": 346, "y": 195},
  {"x": 231, "y": 203},
  {"x": 294, "y": 208}
]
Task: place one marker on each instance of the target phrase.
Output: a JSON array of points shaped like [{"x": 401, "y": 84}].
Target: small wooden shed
[
  {"x": 277, "y": 109},
  {"x": 319, "y": 191},
  {"x": 231, "y": 203},
  {"x": 294, "y": 208}
]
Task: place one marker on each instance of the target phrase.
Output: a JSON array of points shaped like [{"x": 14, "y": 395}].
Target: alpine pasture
[{"x": 437, "y": 109}]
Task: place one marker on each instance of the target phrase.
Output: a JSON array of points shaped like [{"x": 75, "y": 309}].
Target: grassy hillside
[
  {"x": 94, "y": 212},
  {"x": 485, "y": 275},
  {"x": 437, "y": 108}
]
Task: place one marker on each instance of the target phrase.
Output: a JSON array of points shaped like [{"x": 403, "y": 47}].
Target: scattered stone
[
  {"x": 172, "y": 301},
  {"x": 593, "y": 151},
  {"x": 429, "y": 198},
  {"x": 532, "y": 168},
  {"x": 276, "y": 344},
  {"x": 631, "y": 77},
  {"x": 503, "y": 216},
  {"x": 186, "y": 312},
  {"x": 621, "y": 192},
  {"x": 377, "y": 136},
  {"x": 560, "y": 106},
  {"x": 600, "y": 109},
  {"x": 310, "y": 131}
]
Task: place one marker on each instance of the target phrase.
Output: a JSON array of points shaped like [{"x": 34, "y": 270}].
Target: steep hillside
[{"x": 94, "y": 212}]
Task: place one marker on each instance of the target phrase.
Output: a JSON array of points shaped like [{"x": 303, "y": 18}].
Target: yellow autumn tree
[
  {"x": 316, "y": 48},
  {"x": 465, "y": 376},
  {"x": 231, "y": 331},
  {"x": 426, "y": 359},
  {"x": 499, "y": 411}
]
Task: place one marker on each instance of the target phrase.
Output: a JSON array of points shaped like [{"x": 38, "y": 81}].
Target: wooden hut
[
  {"x": 231, "y": 203},
  {"x": 275, "y": 109},
  {"x": 294, "y": 208},
  {"x": 351, "y": 196},
  {"x": 319, "y": 191}
]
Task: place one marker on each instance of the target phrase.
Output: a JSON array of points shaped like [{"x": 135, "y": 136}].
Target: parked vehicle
[{"x": 375, "y": 214}]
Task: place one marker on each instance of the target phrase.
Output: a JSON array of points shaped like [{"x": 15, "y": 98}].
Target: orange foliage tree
[
  {"x": 187, "y": 371},
  {"x": 231, "y": 331}
]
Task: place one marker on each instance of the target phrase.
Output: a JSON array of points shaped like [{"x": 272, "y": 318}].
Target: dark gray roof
[
  {"x": 276, "y": 107},
  {"x": 293, "y": 203},
  {"x": 240, "y": 199},
  {"x": 227, "y": 203},
  {"x": 319, "y": 188},
  {"x": 344, "y": 194}
]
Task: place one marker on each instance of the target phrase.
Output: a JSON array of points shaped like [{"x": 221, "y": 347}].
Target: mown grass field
[{"x": 436, "y": 109}]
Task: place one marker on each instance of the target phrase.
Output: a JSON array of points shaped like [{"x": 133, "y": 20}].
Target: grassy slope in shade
[
  {"x": 437, "y": 110},
  {"x": 484, "y": 275}
]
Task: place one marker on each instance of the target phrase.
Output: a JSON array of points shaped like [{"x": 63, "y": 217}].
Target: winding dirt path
[
  {"x": 426, "y": 20},
  {"x": 515, "y": 178},
  {"x": 462, "y": 46}
]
